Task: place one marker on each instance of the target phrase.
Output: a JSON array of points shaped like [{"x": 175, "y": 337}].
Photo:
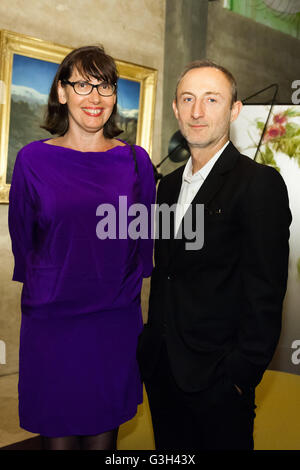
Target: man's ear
[
  {"x": 174, "y": 105},
  {"x": 235, "y": 110},
  {"x": 61, "y": 93}
]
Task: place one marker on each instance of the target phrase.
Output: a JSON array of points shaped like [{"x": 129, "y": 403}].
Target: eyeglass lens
[{"x": 84, "y": 88}]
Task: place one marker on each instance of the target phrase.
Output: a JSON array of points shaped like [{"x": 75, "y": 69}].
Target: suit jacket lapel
[{"x": 217, "y": 175}]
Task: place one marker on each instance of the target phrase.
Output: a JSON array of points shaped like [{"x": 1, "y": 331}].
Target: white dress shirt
[{"x": 191, "y": 185}]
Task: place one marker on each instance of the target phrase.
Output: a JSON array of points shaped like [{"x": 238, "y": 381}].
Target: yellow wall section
[
  {"x": 277, "y": 423},
  {"x": 137, "y": 434}
]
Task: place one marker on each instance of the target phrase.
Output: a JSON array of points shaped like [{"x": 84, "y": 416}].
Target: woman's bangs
[{"x": 90, "y": 68}]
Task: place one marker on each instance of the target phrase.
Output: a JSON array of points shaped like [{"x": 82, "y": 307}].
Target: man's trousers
[{"x": 218, "y": 418}]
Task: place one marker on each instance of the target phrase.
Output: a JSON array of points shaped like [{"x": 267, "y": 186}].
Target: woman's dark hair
[{"x": 90, "y": 61}]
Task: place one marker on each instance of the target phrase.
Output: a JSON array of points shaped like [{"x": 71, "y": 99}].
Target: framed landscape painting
[
  {"x": 280, "y": 149},
  {"x": 28, "y": 66}
]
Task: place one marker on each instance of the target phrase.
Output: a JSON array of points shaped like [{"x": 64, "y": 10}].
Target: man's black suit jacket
[{"x": 219, "y": 308}]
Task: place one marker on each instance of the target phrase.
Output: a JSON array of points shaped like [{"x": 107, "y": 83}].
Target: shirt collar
[{"x": 204, "y": 171}]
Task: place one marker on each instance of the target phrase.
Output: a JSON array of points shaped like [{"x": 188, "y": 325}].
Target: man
[{"x": 215, "y": 312}]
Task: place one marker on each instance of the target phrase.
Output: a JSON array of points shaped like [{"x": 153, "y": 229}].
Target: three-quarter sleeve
[
  {"x": 147, "y": 197},
  {"x": 21, "y": 219}
]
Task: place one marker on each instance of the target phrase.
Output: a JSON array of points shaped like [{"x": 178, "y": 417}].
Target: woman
[{"x": 81, "y": 313}]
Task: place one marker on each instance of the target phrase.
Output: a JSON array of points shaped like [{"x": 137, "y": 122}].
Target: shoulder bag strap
[{"x": 134, "y": 157}]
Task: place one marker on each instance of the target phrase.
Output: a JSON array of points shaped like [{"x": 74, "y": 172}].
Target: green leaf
[
  {"x": 267, "y": 158},
  {"x": 260, "y": 125},
  {"x": 261, "y": 157},
  {"x": 269, "y": 155},
  {"x": 291, "y": 129},
  {"x": 291, "y": 113},
  {"x": 289, "y": 146}
]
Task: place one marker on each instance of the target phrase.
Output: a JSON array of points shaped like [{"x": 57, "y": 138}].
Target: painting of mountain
[
  {"x": 128, "y": 109},
  {"x": 31, "y": 82},
  {"x": 27, "y": 111}
]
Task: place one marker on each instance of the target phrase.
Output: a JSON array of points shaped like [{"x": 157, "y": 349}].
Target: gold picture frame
[{"x": 29, "y": 47}]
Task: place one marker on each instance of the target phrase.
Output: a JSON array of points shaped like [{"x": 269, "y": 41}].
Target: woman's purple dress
[{"x": 81, "y": 313}]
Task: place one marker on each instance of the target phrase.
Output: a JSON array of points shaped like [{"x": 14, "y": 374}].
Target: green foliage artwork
[
  {"x": 279, "y": 148},
  {"x": 282, "y": 16},
  {"x": 281, "y": 135},
  {"x": 271, "y": 136}
]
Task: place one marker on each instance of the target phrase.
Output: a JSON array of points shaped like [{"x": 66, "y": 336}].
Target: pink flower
[
  {"x": 279, "y": 118},
  {"x": 273, "y": 132}
]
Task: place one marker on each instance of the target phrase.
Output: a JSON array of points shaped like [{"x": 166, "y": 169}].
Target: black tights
[{"x": 105, "y": 441}]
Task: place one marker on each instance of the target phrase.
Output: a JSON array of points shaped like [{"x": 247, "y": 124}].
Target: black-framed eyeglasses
[{"x": 85, "y": 88}]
